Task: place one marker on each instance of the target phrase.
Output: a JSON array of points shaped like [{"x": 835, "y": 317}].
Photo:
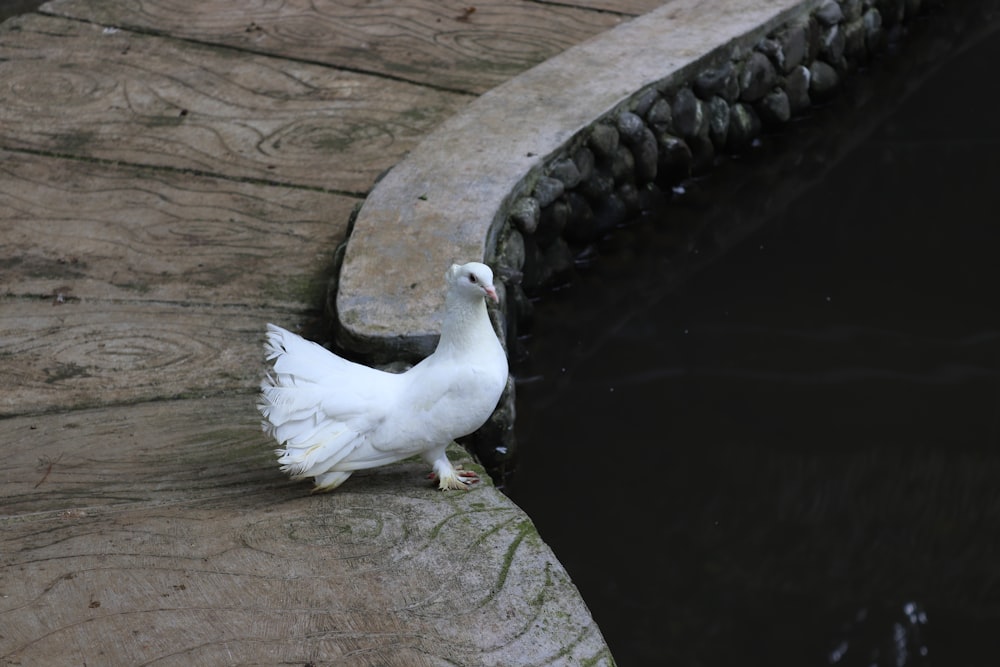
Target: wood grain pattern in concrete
[
  {"x": 123, "y": 284},
  {"x": 151, "y": 100},
  {"x": 172, "y": 177},
  {"x": 120, "y": 233},
  {"x": 452, "y": 45},
  {"x": 156, "y": 535}
]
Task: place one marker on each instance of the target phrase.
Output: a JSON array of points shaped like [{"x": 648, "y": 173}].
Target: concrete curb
[{"x": 448, "y": 200}]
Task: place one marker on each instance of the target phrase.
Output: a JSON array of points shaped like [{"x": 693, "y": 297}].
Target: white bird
[{"x": 332, "y": 416}]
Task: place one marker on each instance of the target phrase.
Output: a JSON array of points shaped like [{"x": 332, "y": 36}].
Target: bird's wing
[{"x": 442, "y": 398}]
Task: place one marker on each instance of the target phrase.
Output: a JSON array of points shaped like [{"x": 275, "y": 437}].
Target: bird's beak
[{"x": 492, "y": 293}]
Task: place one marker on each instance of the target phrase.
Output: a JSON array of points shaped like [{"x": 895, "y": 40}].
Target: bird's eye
[{"x": 472, "y": 278}]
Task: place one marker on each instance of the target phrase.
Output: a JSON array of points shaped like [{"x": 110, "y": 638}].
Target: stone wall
[{"x": 631, "y": 158}]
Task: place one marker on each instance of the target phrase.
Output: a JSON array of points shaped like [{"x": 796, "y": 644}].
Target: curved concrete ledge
[{"x": 447, "y": 200}]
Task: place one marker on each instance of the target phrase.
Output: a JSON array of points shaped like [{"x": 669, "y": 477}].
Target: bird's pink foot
[{"x": 455, "y": 479}]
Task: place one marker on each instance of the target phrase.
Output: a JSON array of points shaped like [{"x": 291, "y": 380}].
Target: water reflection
[
  {"x": 764, "y": 428},
  {"x": 901, "y": 645}
]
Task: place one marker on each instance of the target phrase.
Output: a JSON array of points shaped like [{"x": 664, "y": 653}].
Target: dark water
[
  {"x": 763, "y": 428},
  {"x": 9, "y": 8}
]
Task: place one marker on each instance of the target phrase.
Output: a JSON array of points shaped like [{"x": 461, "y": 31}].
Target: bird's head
[{"x": 473, "y": 280}]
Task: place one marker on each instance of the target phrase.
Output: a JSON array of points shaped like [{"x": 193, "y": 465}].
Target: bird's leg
[{"x": 452, "y": 477}]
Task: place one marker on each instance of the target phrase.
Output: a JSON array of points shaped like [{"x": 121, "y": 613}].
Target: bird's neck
[{"x": 467, "y": 323}]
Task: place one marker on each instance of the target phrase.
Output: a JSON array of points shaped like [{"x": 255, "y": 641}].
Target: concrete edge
[{"x": 448, "y": 199}]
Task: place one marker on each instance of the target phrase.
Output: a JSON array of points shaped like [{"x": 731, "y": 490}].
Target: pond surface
[
  {"x": 9, "y": 8},
  {"x": 763, "y": 427}
]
